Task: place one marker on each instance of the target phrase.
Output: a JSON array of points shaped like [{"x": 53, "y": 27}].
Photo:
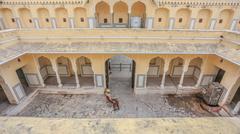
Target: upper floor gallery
[{"x": 150, "y": 14}]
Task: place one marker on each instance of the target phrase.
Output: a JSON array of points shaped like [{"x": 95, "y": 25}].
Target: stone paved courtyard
[{"x": 131, "y": 105}]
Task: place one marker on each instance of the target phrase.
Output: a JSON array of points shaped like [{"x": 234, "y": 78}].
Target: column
[
  {"x": 129, "y": 19},
  {"x": 55, "y": 68},
  {"x": 54, "y": 23},
  {"x": 185, "y": 69},
  {"x": 74, "y": 67},
  {"x": 166, "y": 66},
  {"x": 171, "y": 23},
  {"x": 38, "y": 71},
  {"x": 149, "y": 22},
  {"x": 2, "y": 26},
  {"x": 36, "y": 23},
  {"x": 201, "y": 74},
  {"x": 213, "y": 24},
  {"x": 19, "y": 25},
  {"x": 233, "y": 25},
  {"x": 112, "y": 19},
  {"x": 192, "y": 24},
  {"x": 71, "y": 22},
  {"x": 91, "y": 22}
]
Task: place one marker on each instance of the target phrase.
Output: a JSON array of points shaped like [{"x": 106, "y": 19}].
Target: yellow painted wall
[
  {"x": 183, "y": 14},
  {"x": 61, "y": 13},
  {"x": 43, "y": 15},
  {"x": 205, "y": 15},
  {"x": 162, "y": 13},
  {"x": 120, "y": 10},
  {"x": 8, "y": 16},
  {"x": 26, "y": 18},
  {"x": 80, "y": 13}
]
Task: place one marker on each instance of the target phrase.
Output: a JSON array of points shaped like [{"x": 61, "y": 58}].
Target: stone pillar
[
  {"x": 74, "y": 67},
  {"x": 192, "y": 24},
  {"x": 171, "y": 23},
  {"x": 201, "y": 74},
  {"x": 185, "y": 69},
  {"x": 213, "y": 24},
  {"x": 54, "y": 23},
  {"x": 233, "y": 25},
  {"x": 166, "y": 66},
  {"x": 91, "y": 22},
  {"x": 19, "y": 25},
  {"x": 2, "y": 26},
  {"x": 38, "y": 71},
  {"x": 36, "y": 23},
  {"x": 71, "y": 22},
  {"x": 55, "y": 68},
  {"x": 129, "y": 18},
  {"x": 112, "y": 19},
  {"x": 149, "y": 22}
]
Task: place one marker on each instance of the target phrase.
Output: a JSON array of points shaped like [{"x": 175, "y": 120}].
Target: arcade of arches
[{"x": 121, "y": 14}]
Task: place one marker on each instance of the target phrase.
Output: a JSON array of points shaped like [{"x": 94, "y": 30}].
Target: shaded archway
[
  {"x": 155, "y": 72},
  {"x": 62, "y": 17},
  {"x": 47, "y": 72},
  {"x": 120, "y": 14},
  {"x": 80, "y": 16},
  {"x": 192, "y": 75},
  {"x": 66, "y": 72},
  {"x": 8, "y": 18},
  {"x": 4, "y": 98},
  {"x": 85, "y": 72},
  {"x": 182, "y": 19},
  {"x": 138, "y": 14},
  {"x": 176, "y": 70},
  {"x": 25, "y": 18},
  {"x": 103, "y": 14},
  {"x": 120, "y": 70},
  {"x": 225, "y": 19},
  {"x": 161, "y": 18},
  {"x": 44, "y": 18},
  {"x": 203, "y": 19}
]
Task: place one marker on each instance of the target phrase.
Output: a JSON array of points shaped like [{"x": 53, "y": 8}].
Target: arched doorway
[
  {"x": 85, "y": 72},
  {"x": 225, "y": 19},
  {"x": 120, "y": 73},
  {"x": 103, "y": 15},
  {"x": 192, "y": 75},
  {"x": 4, "y": 102},
  {"x": 62, "y": 18},
  {"x": 44, "y": 18},
  {"x": 47, "y": 72},
  {"x": 176, "y": 70},
  {"x": 9, "y": 20},
  {"x": 161, "y": 18},
  {"x": 66, "y": 72},
  {"x": 155, "y": 72},
  {"x": 80, "y": 16},
  {"x": 26, "y": 18},
  {"x": 120, "y": 14},
  {"x": 203, "y": 19},
  {"x": 183, "y": 19},
  {"x": 138, "y": 15}
]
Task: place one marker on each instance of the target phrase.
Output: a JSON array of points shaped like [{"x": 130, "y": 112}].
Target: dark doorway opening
[
  {"x": 4, "y": 103},
  {"x": 236, "y": 98},
  {"x": 219, "y": 76},
  {"x": 23, "y": 81},
  {"x": 120, "y": 70}
]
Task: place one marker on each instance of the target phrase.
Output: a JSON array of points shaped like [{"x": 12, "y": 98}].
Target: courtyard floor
[{"x": 131, "y": 105}]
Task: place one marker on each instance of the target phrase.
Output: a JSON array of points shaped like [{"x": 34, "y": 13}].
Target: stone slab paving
[
  {"x": 17, "y": 125},
  {"x": 15, "y": 50},
  {"x": 131, "y": 105}
]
